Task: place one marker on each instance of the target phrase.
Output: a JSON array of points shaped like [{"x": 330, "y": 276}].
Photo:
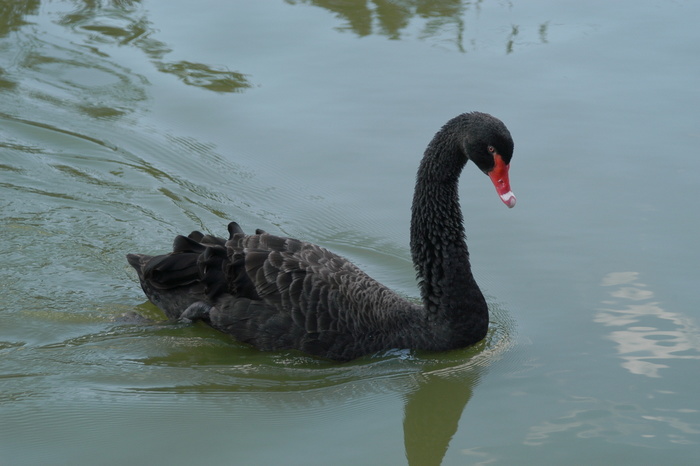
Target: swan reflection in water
[{"x": 434, "y": 388}]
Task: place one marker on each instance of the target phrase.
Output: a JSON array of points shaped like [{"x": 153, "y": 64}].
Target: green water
[{"x": 125, "y": 123}]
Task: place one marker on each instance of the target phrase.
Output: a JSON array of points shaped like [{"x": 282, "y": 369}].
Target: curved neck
[{"x": 438, "y": 245}]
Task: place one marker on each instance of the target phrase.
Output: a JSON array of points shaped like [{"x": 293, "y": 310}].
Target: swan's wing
[
  {"x": 318, "y": 288},
  {"x": 274, "y": 293},
  {"x": 308, "y": 298}
]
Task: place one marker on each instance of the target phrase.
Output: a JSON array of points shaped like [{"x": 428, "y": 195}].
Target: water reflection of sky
[
  {"x": 646, "y": 334},
  {"x": 647, "y": 338}
]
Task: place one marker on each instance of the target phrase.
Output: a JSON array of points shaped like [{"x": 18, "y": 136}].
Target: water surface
[{"x": 124, "y": 123}]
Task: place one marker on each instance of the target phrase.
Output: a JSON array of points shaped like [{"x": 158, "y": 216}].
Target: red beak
[{"x": 499, "y": 178}]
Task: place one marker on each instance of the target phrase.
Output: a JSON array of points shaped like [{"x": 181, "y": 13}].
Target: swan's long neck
[{"x": 450, "y": 293}]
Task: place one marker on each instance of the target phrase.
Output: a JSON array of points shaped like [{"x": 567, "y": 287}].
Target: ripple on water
[{"x": 217, "y": 364}]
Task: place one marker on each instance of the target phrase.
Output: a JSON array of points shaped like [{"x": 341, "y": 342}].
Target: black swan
[{"x": 280, "y": 293}]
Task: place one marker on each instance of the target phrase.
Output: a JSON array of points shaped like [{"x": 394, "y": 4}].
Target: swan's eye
[{"x": 492, "y": 149}]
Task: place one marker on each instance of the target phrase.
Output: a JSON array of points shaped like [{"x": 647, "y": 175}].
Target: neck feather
[{"x": 438, "y": 245}]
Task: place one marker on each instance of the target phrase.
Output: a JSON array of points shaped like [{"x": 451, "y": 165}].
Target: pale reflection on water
[
  {"x": 648, "y": 339},
  {"x": 648, "y": 334}
]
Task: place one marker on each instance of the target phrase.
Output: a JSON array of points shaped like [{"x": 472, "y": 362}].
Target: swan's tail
[{"x": 191, "y": 273}]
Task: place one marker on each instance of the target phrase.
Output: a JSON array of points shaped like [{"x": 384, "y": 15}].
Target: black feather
[{"x": 280, "y": 293}]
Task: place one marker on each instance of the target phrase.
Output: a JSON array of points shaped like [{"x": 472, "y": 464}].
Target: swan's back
[{"x": 277, "y": 293}]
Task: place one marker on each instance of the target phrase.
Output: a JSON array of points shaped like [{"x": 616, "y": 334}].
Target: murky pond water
[{"x": 125, "y": 123}]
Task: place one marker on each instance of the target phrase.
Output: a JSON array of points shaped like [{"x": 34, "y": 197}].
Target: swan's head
[{"x": 489, "y": 145}]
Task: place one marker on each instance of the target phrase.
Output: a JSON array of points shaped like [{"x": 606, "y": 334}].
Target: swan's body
[{"x": 280, "y": 293}]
